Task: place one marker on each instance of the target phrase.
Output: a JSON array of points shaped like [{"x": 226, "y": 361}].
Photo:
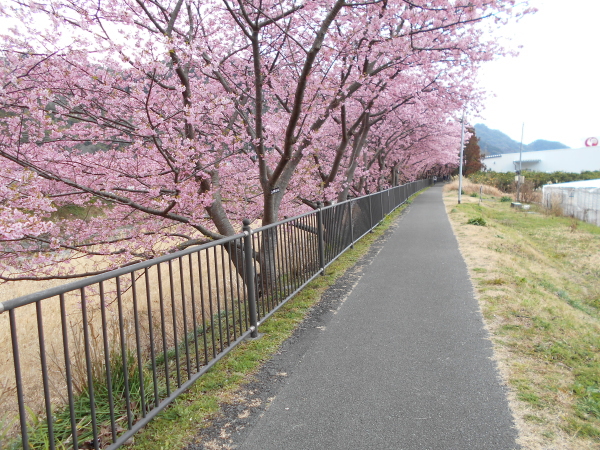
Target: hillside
[{"x": 493, "y": 142}]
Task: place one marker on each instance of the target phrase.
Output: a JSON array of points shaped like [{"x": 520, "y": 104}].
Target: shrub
[
  {"x": 506, "y": 181},
  {"x": 529, "y": 194},
  {"x": 479, "y": 221},
  {"x": 506, "y": 198}
]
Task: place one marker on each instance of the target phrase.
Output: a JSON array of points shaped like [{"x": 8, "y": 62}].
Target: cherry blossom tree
[{"x": 162, "y": 124}]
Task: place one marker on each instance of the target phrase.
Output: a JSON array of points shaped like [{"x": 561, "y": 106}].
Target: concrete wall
[{"x": 565, "y": 160}]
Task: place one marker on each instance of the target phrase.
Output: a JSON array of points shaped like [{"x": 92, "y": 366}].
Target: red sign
[{"x": 591, "y": 142}]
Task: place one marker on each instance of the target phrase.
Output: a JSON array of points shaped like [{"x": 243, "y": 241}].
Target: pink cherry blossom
[{"x": 164, "y": 124}]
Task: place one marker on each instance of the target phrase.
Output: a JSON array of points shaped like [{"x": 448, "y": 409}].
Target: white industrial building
[
  {"x": 574, "y": 160},
  {"x": 579, "y": 199}
]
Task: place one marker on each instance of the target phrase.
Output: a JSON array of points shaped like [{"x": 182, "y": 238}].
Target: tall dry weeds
[{"x": 469, "y": 188}]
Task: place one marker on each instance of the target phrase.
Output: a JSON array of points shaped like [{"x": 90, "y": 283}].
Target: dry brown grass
[{"x": 469, "y": 188}]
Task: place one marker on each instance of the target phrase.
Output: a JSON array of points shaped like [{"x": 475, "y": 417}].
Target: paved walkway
[{"x": 403, "y": 364}]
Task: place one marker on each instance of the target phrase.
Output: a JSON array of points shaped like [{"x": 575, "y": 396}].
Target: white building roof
[{"x": 579, "y": 184}]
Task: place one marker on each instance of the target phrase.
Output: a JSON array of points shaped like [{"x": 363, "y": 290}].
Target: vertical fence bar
[
  {"x": 88, "y": 367},
  {"x": 370, "y": 213},
  {"x": 68, "y": 376},
  {"x": 44, "y": 367},
  {"x": 219, "y": 321},
  {"x": 185, "y": 320},
  {"x": 18, "y": 378},
  {"x": 239, "y": 264},
  {"x": 280, "y": 264},
  {"x": 151, "y": 335},
  {"x": 337, "y": 225},
  {"x": 174, "y": 313},
  {"x": 320, "y": 237},
  {"x": 329, "y": 234},
  {"x": 124, "y": 355},
  {"x": 388, "y": 209},
  {"x": 315, "y": 241},
  {"x": 265, "y": 270},
  {"x": 163, "y": 324},
  {"x": 194, "y": 321},
  {"x": 107, "y": 365},
  {"x": 224, "y": 279},
  {"x": 231, "y": 293},
  {"x": 210, "y": 304},
  {"x": 293, "y": 253},
  {"x": 286, "y": 258},
  {"x": 243, "y": 274},
  {"x": 296, "y": 256},
  {"x": 250, "y": 278},
  {"x": 259, "y": 290},
  {"x": 306, "y": 260},
  {"x": 202, "y": 307},
  {"x": 136, "y": 324}
]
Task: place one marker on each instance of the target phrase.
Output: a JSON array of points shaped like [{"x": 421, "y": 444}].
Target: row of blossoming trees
[{"x": 165, "y": 122}]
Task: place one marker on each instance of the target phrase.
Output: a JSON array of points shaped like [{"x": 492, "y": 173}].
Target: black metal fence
[{"x": 95, "y": 360}]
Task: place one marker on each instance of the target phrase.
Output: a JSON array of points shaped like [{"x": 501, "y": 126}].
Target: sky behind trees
[{"x": 553, "y": 85}]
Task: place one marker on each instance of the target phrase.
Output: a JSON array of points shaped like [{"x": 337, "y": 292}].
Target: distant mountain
[
  {"x": 542, "y": 144},
  {"x": 493, "y": 142}
]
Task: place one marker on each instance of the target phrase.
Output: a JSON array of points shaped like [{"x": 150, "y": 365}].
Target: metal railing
[{"x": 95, "y": 360}]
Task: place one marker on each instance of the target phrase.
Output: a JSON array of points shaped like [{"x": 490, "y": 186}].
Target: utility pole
[
  {"x": 520, "y": 164},
  {"x": 462, "y": 145}
]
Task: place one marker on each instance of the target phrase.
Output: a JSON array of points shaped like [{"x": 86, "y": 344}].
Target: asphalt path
[{"x": 402, "y": 362}]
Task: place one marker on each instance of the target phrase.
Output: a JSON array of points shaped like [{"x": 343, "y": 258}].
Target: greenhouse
[{"x": 579, "y": 199}]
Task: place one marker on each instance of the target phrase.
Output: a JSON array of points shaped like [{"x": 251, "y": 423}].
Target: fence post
[
  {"x": 250, "y": 275},
  {"x": 320, "y": 236},
  {"x": 351, "y": 224}
]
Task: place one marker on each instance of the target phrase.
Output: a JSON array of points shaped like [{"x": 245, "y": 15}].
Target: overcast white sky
[{"x": 553, "y": 86}]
